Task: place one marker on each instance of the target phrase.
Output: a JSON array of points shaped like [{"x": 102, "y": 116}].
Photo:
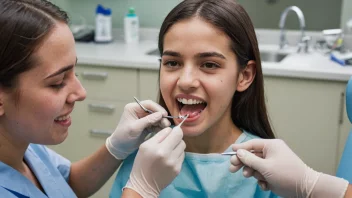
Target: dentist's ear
[
  {"x": 246, "y": 76},
  {"x": 2, "y": 95}
]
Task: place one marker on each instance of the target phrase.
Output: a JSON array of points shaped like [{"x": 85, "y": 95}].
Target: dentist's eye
[
  {"x": 58, "y": 86},
  {"x": 171, "y": 63},
  {"x": 210, "y": 65}
]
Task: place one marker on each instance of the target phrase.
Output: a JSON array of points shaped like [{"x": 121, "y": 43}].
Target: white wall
[
  {"x": 64, "y": 4},
  {"x": 346, "y": 12}
]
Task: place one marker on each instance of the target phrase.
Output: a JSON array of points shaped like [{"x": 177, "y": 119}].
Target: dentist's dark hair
[
  {"x": 248, "y": 107},
  {"x": 24, "y": 25}
]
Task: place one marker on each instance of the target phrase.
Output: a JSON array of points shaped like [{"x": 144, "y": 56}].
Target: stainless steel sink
[
  {"x": 266, "y": 56},
  {"x": 154, "y": 52},
  {"x": 272, "y": 56}
]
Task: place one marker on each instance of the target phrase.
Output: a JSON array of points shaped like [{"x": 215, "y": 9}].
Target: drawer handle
[
  {"x": 100, "y": 132},
  {"x": 95, "y": 75},
  {"x": 102, "y": 107}
]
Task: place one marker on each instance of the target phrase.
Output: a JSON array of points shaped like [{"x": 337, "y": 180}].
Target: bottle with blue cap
[
  {"x": 103, "y": 29},
  {"x": 131, "y": 26}
]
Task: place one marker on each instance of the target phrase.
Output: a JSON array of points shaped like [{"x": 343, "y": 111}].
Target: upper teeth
[
  {"x": 63, "y": 118},
  {"x": 189, "y": 101}
]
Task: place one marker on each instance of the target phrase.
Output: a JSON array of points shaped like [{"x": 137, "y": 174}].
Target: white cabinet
[
  {"x": 345, "y": 128},
  {"x": 93, "y": 120},
  {"x": 109, "y": 83},
  {"x": 306, "y": 114},
  {"x": 149, "y": 84},
  {"x": 90, "y": 127},
  {"x": 88, "y": 133}
]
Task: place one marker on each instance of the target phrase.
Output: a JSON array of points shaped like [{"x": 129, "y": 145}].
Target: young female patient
[{"x": 210, "y": 69}]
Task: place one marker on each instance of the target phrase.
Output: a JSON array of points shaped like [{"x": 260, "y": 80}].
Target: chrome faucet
[{"x": 303, "y": 42}]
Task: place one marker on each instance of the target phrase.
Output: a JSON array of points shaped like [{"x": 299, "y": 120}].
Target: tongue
[{"x": 192, "y": 110}]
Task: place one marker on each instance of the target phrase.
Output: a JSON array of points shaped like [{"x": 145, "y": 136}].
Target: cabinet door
[
  {"x": 345, "y": 128},
  {"x": 109, "y": 83},
  {"x": 92, "y": 122},
  {"x": 305, "y": 114},
  {"x": 148, "y": 84}
]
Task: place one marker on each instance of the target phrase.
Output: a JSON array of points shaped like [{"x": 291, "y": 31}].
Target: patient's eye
[
  {"x": 210, "y": 65},
  {"x": 171, "y": 63}
]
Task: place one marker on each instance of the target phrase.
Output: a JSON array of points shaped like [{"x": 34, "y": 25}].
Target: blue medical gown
[
  {"x": 202, "y": 175},
  {"x": 51, "y": 170}
]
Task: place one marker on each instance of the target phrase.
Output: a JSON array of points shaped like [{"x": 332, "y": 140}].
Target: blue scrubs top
[
  {"x": 202, "y": 175},
  {"x": 51, "y": 169}
]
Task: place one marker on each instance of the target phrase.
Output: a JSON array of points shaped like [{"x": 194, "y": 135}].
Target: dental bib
[{"x": 202, "y": 175}]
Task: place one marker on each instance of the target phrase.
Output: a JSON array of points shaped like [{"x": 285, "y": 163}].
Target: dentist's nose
[
  {"x": 189, "y": 78},
  {"x": 78, "y": 92}
]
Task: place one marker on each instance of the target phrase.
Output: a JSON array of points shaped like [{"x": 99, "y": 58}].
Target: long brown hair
[
  {"x": 24, "y": 24},
  {"x": 248, "y": 107}
]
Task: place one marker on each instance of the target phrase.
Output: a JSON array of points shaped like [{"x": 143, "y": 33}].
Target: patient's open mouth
[{"x": 193, "y": 107}]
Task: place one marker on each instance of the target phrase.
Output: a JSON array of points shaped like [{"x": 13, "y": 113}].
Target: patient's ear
[{"x": 246, "y": 76}]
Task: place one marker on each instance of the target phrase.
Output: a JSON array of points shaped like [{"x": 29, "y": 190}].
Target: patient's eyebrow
[
  {"x": 171, "y": 53},
  {"x": 210, "y": 54}
]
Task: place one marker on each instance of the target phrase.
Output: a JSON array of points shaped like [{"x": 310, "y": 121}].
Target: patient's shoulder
[
  {"x": 245, "y": 136},
  {"x": 126, "y": 166},
  {"x": 123, "y": 174}
]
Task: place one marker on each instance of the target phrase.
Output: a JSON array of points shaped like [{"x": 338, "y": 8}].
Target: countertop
[{"x": 313, "y": 65}]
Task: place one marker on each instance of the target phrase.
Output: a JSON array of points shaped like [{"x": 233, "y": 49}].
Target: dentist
[
  {"x": 279, "y": 169},
  {"x": 38, "y": 90}
]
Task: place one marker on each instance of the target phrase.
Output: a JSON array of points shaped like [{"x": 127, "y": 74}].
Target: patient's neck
[{"x": 214, "y": 140}]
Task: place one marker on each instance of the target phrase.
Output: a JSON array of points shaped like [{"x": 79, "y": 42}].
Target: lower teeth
[{"x": 191, "y": 113}]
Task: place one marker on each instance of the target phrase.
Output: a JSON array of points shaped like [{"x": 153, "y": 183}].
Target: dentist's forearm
[
  {"x": 349, "y": 191},
  {"x": 129, "y": 193},
  {"x": 327, "y": 186},
  {"x": 88, "y": 175}
]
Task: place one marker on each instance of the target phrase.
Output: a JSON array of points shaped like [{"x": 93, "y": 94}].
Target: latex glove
[
  {"x": 135, "y": 124},
  {"x": 158, "y": 162},
  {"x": 280, "y": 170}
]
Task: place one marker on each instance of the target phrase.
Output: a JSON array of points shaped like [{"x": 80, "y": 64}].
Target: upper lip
[
  {"x": 186, "y": 96},
  {"x": 66, "y": 114}
]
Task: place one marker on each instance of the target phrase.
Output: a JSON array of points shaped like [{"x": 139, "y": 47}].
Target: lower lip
[
  {"x": 193, "y": 118},
  {"x": 65, "y": 123}
]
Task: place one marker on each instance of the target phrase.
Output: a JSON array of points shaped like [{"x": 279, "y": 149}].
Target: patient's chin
[{"x": 192, "y": 132}]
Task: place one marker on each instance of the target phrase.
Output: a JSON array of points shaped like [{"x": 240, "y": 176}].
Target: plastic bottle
[
  {"x": 131, "y": 27},
  {"x": 349, "y": 26},
  {"x": 103, "y": 29}
]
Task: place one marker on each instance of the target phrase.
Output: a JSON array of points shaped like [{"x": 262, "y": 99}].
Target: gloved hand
[
  {"x": 280, "y": 170},
  {"x": 135, "y": 124},
  {"x": 158, "y": 162}
]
